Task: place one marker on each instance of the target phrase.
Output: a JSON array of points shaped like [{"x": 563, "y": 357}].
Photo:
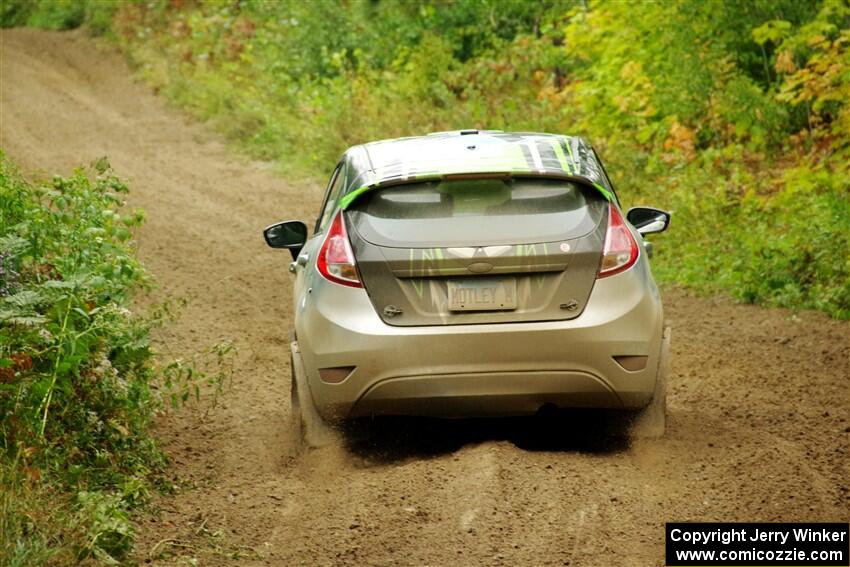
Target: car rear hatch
[{"x": 478, "y": 250}]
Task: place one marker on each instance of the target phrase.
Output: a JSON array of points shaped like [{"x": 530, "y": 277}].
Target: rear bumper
[
  {"x": 484, "y": 394},
  {"x": 490, "y": 369}
]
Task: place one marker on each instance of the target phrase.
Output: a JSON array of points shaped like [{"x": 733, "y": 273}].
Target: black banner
[{"x": 757, "y": 545}]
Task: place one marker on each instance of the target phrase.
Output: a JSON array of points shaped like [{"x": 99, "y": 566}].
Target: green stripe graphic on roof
[
  {"x": 605, "y": 192},
  {"x": 556, "y": 147},
  {"x": 572, "y": 156},
  {"x": 347, "y": 199},
  {"x": 515, "y": 158}
]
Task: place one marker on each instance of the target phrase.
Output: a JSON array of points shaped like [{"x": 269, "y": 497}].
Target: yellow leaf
[{"x": 785, "y": 62}]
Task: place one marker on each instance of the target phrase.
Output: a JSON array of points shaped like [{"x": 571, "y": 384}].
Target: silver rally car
[{"x": 474, "y": 273}]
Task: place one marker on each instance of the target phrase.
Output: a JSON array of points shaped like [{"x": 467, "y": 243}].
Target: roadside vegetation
[
  {"x": 75, "y": 370},
  {"x": 78, "y": 383},
  {"x": 733, "y": 115}
]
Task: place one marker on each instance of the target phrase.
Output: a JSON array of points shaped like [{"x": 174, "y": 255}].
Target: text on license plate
[{"x": 482, "y": 294}]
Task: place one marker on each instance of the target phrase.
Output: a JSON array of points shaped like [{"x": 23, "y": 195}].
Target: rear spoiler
[{"x": 347, "y": 199}]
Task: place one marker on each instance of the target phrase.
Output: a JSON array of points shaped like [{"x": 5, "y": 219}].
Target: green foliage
[
  {"x": 75, "y": 372},
  {"x": 57, "y": 14},
  {"x": 183, "y": 379},
  {"x": 760, "y": 196},
  {"x": 779, "y": 241},
  {"x": 49, "y": 14},
  {"x": 732, "y": 114},
  {"x": 78, "y": 387}
]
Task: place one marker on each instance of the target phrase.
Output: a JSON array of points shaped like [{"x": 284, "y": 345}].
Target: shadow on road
[{"x": 387, "y": 440}]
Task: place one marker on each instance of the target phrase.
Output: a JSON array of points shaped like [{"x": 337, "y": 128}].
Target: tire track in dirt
[{"x": 758, "y": 398}]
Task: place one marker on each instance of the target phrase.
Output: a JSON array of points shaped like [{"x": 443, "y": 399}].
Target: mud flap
[
  {"x": 314, "y": 432},
  {"x": 651, "y": 422}
]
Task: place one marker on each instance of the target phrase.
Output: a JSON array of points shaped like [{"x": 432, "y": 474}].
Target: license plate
[{"x": 482, "y": 294}]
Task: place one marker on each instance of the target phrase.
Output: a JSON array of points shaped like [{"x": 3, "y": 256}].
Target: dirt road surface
[{"x": 759, "y": 398}]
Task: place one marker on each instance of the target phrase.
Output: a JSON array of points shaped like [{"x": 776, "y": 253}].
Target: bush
[
  {"x": 49, "y": 14},
  {"x": 58, "y": 14},
  {"x": 75, "y": 370}
]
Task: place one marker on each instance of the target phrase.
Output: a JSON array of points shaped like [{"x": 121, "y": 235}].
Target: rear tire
[
  {"x": 295, "y": 422},
  {"x": 651, "y": 421},
  {"x": 311, "y": 430}
]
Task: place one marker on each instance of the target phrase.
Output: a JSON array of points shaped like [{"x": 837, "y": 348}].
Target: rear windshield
[{"x": 477, "y": 212}]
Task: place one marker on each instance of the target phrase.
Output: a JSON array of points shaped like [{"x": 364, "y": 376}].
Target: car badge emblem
[
  {"x": 565, "y": 247},
  {"x": 480, "y": 267}
]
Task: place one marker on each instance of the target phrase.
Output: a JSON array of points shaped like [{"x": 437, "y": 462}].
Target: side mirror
[
  {"x": 648, "y": 220},
  {"x": 289, "y": 234}
]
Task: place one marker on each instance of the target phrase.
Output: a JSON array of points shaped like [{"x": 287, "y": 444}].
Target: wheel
[
  {"x": 310, "y": 428},
  {"x": 651, "y": 421}
]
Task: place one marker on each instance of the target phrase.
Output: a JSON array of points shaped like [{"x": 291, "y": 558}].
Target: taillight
[
  {"x": 621, "y": 250},
  {"x": 336, "y": 259}
]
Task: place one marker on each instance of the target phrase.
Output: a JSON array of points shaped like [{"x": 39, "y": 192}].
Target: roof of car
[{"x": 461, "y": 152}]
